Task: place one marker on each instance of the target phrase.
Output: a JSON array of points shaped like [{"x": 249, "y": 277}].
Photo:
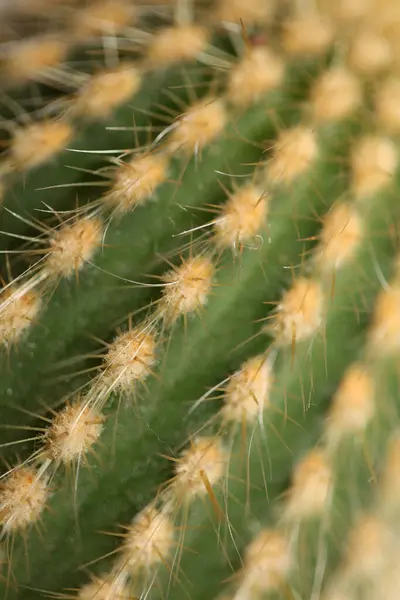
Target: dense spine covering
[{"x": 199, "y": 314}]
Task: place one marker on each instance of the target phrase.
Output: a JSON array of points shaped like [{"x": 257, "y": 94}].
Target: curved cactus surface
[{"x": 199, "y": 314}]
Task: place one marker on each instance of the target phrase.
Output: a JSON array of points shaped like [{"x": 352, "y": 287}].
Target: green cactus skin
[{"x": 52, "y": 361}]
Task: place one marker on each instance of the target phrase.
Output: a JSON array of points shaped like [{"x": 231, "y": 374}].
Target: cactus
[{"x": 199, "y": 305}]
